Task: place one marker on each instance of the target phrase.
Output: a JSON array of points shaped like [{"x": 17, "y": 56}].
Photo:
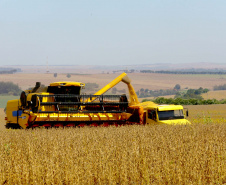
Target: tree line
[
  {"x": 9, "y": 88},
  {"x": 9, "y": 70},
  {"x": 219, "y": 87},
  {"x": 184, "y": 94},
  {"x": 143, "y": 93},
  {"x": 184, "y": 72},
  {"x": 191, "y": 93}
]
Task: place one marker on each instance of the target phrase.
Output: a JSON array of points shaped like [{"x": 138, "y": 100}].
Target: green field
[{"x": 4, "y": 99}]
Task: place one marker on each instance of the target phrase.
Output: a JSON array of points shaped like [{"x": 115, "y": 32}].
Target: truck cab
[{"x": 165, "y": 114}]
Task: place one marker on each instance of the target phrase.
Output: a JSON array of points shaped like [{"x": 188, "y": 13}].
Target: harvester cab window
[
  {"x": 64, "y": 89},
  {"x": 152, "y": 114},
  {"x": 170, "y": 114}
]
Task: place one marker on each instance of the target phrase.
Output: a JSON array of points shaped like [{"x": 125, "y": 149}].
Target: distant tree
[
  {"x": 122, "y": 91},
  {"x": 205, "y": 90},
  {"x": 142, "y": 90},
  {"x": 91, "y": 86},
  {"x": 114, "y": 90},
  {"x": 177, "y": 87},
  {"x": 69, "y": 75},
  {"x": 199, "y": 91}
]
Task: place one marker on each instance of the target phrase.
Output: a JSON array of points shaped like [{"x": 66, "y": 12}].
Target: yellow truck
[
  {"x": 61, "y": 105},
  {"x": 164, "y": 114}
]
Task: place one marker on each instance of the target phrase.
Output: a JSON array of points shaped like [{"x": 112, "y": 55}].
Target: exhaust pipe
[{"x": 38, "y": 84}]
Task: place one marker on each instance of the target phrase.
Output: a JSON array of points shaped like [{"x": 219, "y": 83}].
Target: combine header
[
  {"x": 61, "y": 104},
  {"x": 75, "y": 110}
]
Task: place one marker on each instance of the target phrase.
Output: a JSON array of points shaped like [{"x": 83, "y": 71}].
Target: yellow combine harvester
[{"x": 61, "y": 104}]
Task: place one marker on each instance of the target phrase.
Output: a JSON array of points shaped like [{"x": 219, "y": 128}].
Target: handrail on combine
[{"x": 78, "y": 103}]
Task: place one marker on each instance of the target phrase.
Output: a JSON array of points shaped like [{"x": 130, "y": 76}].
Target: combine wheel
[
  {"x": 58, "y": 125},
  {"x": 115, "y": 124},
  {"x": 94, "y": 124},
  {"x": 105, "y": 124},
  {"x": 81, "y": 125},
  {"x": 47, "y": 125},
  {"x": 34, "y": 126},
  {"x": 70, "y": 125}
]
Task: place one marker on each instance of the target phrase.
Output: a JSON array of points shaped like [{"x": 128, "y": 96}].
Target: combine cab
[{"x": 61, "y": 105}]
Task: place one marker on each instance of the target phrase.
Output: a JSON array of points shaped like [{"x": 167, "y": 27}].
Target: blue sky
[{"x": 112, "y": 32}]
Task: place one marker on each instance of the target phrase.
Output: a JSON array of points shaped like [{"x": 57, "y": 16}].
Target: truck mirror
[{"x": 187, "y": 113}]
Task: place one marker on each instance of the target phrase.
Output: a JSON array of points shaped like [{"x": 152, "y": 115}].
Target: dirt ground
[{"x": 139, "y": 80}]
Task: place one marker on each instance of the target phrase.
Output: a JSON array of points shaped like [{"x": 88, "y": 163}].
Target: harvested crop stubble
[{"x": 161, "y": 154}]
